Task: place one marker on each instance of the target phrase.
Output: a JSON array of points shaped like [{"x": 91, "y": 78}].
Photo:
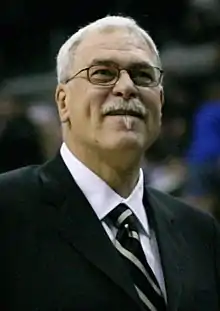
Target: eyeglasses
[{"x": 108, "y": 75}]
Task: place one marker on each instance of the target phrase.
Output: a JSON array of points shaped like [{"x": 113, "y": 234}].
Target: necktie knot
[{"x": 122, "y": 215}]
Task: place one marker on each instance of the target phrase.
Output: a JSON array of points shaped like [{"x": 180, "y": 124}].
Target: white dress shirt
[{"x": 104, "y": 199}]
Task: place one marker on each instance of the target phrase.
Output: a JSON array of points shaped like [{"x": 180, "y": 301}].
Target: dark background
[
  {"x": 187, "y": 35},
  {"x": 30, "y": 31}
]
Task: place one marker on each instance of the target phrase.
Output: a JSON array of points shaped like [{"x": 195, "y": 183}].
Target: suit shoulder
[
  {"x": 16, "y": 183},
  {"x": 178, "y": 207},
  {"x": 195, "y": 224}
]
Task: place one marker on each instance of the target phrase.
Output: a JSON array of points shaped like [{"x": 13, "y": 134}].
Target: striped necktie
[{"x": 128, "y": 244}]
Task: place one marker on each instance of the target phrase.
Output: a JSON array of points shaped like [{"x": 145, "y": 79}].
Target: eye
[
  {"x": 102, "y": 74},
  {"x": 145, "y": 74},
  {"x": 144, "y": 77}
]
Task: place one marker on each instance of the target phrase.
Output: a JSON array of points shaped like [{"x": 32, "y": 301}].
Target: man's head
[{"x": 109, "y": 91}]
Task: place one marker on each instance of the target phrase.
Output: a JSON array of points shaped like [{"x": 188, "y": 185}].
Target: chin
[
  {"x": 126, "y": 143},
  {"x": 124, "y": 153}
]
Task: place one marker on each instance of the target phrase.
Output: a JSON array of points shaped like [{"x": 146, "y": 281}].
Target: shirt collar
[{"x": 101, "y": 197}]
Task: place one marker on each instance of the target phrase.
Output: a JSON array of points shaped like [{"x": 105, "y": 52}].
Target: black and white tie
[{"x": 128, "y": 244}]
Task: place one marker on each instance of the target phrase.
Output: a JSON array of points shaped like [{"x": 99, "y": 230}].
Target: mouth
[{"x": 122, "y": 112}]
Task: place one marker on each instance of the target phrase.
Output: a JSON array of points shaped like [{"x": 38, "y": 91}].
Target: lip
[{"x": 126, "y": 113}]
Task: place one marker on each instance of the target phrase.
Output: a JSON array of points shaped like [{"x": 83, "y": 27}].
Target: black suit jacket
[{"x": 55, "y": 254}]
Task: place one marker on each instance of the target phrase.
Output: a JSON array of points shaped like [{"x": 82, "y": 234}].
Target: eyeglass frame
[{"x": 119, "y": 69}]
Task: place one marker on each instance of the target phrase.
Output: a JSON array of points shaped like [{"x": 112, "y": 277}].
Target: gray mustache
[{"x": 132, "y": 106}]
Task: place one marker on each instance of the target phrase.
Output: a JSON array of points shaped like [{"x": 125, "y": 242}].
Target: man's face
[{"x": 84, "y": 104}]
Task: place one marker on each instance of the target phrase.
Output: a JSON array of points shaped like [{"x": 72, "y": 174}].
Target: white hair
[{"x": 66, "y": 52}]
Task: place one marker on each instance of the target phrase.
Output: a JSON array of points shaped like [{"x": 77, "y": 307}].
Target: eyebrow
[{"x": 108, "y": 62}]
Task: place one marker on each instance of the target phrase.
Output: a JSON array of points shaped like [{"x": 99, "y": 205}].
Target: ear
[{"x": 61, "y": 100}]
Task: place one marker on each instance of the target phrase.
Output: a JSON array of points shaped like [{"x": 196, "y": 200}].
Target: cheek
[
  {"x": 85, "y": 106},
  {"x": 79, "y": 103},
  {"x": 95, "y": 99},
  {"x": 152, "y": 100}
]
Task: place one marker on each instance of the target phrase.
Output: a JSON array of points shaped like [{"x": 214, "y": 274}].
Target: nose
[{"x": 125, "y": 87}]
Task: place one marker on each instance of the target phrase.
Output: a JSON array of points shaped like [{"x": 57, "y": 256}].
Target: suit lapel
[
  {"x": 172, "y": 248},
  {"x": 80, "y": 227}
]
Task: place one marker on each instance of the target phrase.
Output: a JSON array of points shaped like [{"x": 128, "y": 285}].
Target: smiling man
[
  {"x": 83, "y": 231},
  {"x": 110, "y": 101}
]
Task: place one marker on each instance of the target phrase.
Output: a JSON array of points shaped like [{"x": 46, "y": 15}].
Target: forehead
[{"x": 118, "y": 45}]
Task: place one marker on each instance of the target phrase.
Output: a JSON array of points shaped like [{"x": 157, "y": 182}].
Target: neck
[
  {"x": 119, "y": 173},
  {"x": 121, "y": 181}
]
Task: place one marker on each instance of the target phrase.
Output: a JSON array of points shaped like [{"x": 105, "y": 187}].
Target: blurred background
[{"x": 185, "y": 161}]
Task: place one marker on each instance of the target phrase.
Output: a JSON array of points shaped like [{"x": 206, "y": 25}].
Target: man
[{"x": 83, "y": 231}]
